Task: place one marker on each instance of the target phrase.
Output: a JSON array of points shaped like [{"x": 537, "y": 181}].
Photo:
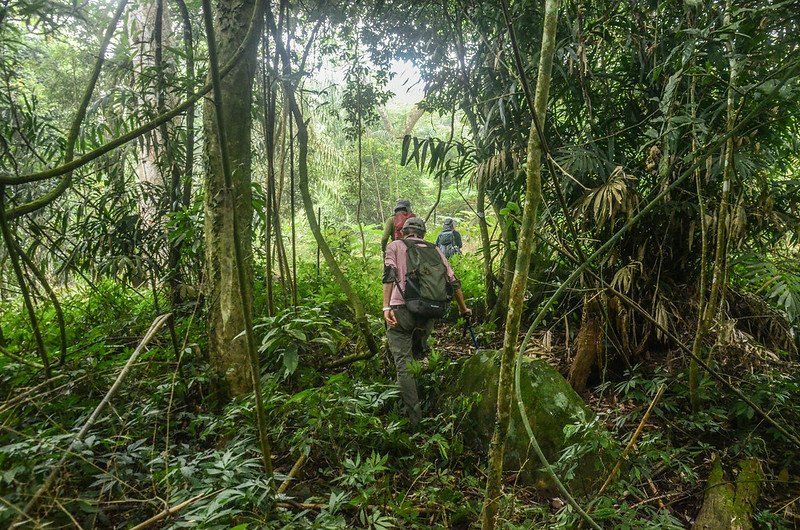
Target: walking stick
[{"x": 468, "y": 326}]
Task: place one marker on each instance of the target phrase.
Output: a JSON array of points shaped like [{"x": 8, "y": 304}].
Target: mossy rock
[{"x": 551, "y": 404}]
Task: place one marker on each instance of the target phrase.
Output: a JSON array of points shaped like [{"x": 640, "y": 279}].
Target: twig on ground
[
  {"x": 293, "y": 473},
  {"x": 635, "y": 437},
  {"x": 21, "y": 398},
  {"x": 20, "y": 359},
  {"x": 173, "y": 510},
  {"x": 349, "y": 360},
  {"x": 659, "y": 498},
  {"x": 14, "y": 507},
  {"x": 66, "y": 512},
  {"x": 51, "y": 478}
]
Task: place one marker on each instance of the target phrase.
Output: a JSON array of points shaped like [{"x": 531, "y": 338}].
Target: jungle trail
[{"x": 399, "y": 264}]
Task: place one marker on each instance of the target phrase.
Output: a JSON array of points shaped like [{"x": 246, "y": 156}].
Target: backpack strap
[{"x": 416, "y": 242}]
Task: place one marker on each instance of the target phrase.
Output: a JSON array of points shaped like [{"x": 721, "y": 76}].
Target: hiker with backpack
[
  {"x": 418, "y": 284},
  {"x": 449, "y": 241},
  {"x": 393, "y": 230}
]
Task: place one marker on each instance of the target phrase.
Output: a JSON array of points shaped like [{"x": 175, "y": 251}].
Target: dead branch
[
  {"x": 48, "y": 483},
  {"x": 293, "y": 472},
  {"x": 173, "y": 510},
  {"x": 635, "y": 437}
]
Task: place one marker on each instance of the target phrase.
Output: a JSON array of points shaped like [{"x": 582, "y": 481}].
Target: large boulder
[{"x": 551, "y": 404}]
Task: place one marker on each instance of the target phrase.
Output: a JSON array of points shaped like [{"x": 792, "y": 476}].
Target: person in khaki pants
[{"x": 408, "y": 333}]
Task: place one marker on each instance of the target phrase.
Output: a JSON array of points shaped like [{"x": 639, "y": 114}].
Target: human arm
[
  {"x": 389, "y": 280},
  {"x": 388, "y": 312},
  {"x": 388, "y": 232},
  {"x": 462, "y": 306},
  {"x": 457, "y": 239},
  {"x": 455, "y": 283}
]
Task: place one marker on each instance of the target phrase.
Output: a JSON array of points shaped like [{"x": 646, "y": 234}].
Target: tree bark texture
[
  {"x": 152, "y": 147},
  {"x": 729, "y": 505},
  {"x": 227, "y": 346},
  {"x": 588, "y": 345},
  {"x": 533, "y": 197}
]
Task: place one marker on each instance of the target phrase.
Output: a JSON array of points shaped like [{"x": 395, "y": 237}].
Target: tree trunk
[
  {"x": 182, "y": 184},
  {"x": 482, "y": 179},
  {"x": 151, "y": 148},
  {"x": 587, "y": 345},
  {"x": 533, "y": 197},
  {"x": 268, "y": 124},
  {"x": 486, "y": 249},
  {"x": 506, "y": 272},
  {"x": 308, "y": 205},
  {"x": 719, "y": 275},
  {"x": 412, "y": 118},
  {"x": 727, "y": 506},
  {"x": 227, "y": 347}
]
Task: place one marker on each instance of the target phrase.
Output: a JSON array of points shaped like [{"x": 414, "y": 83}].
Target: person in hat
[
  {"x": 449, "y": 241},
  {"x": 408, "y": 331},
  {"x": 393, "y": 230}
]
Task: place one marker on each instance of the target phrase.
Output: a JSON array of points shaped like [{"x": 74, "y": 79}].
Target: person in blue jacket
[{"x": 449, "y": 241}]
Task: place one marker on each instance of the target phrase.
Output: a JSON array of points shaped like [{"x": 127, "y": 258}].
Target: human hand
[
  {"x": 388, "y": 316},
  {"x": 466, "y": 313}
]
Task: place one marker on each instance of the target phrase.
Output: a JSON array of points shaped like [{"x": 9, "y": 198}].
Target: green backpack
[{"x": 428, "y": 290}]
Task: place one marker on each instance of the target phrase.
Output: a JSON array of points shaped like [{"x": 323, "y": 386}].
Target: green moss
[
  {"x": 726, "y": 506},
  {"x": 551, "y": 405}
]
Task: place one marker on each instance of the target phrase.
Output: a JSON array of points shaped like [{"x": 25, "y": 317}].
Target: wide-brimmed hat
[
  {"x": 415, "y": 223},
  {"x": 449, "y": 224},
  {"x": 402, "y": 204}
]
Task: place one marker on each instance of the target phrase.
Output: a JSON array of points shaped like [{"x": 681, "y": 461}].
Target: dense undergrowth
[{"x": 166, "y": 440}]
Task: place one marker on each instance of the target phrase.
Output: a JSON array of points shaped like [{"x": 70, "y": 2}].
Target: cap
[{"x": 402, "y": 203}]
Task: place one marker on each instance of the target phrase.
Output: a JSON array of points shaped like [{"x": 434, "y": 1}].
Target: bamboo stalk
[
  {"x": 172, "y": 510},
  {"x": 533, "y": 199},
  {"x": 633, "y": 440}
]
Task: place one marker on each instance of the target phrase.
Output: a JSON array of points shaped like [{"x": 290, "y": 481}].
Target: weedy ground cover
[{"x": 166, "y": 440}]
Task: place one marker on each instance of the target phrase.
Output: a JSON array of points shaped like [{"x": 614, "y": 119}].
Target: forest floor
[{"x": 165, "y": 441}]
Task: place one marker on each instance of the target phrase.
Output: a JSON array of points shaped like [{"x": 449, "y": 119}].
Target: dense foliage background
[{"x": 669, "y": 175}]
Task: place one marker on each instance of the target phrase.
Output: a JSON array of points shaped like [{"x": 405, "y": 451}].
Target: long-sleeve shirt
[
  {"x": 394, "y": 268},
  {"x": 388, "y": 232}
]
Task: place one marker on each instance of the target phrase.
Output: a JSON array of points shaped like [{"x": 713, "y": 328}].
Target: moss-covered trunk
[
  {"x": 533, "y": 197},
  {"x": 728, "y": 505},
  {"x": 227, "y": 346}
]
